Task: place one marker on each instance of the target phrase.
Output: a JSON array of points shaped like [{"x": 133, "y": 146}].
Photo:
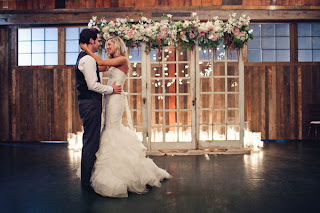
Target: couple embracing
[{"x": 113, "y": 162}]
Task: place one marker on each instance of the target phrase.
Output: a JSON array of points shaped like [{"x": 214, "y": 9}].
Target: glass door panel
[
  {"x": 170, "y": 99},
  {"x": 219, "y": 101}
]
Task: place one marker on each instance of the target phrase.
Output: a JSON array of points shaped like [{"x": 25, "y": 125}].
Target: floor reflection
[{"x": 75, "y": 157}]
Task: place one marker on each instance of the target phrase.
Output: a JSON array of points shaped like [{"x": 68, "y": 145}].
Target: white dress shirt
[{"x": 87, "y": 65}]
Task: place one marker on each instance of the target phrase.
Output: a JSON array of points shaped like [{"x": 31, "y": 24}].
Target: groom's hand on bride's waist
[{"x": 116, "y": 88}]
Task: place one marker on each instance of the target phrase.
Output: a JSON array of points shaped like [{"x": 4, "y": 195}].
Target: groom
[{"x": 90, "y": 101}]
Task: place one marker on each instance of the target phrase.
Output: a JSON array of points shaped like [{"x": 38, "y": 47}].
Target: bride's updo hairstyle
[{"x": 120, "y": 47}]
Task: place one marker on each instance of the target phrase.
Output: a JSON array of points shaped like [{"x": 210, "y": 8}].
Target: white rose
[
  {"x": 185, "y": 24},
  {"x": 105, "y": 29}
]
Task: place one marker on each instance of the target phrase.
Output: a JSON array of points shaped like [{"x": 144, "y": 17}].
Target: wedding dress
[{"x": 121, "y": 164}]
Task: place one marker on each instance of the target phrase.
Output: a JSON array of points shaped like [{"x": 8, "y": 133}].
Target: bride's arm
[
  {"x": 108, "y": 62},
  {"x": 103, "y": 68}
]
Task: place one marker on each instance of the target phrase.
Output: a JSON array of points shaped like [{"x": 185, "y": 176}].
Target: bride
[{"x": 121, "y": 164}]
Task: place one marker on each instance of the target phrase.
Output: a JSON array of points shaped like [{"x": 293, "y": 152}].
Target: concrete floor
[{"x": 284, "y": 177}]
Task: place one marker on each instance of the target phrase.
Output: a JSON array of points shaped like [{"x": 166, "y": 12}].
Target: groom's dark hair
[{"x": 86, "y": 34}]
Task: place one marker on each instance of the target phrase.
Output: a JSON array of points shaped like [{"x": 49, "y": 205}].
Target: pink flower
[
  {"x": 130, "y": 32},
  {"x": 246, "y": 28},
  {"x": 212, "y": 27},
  {"x": 162, "y": 35},
  {"x": 163, "y": 29},
  {"x": 213, "y": 37},
  {"x": 191, "y": 35},
  {"x": 112, "y": 23},
  {"x": 236, "y": 31}
]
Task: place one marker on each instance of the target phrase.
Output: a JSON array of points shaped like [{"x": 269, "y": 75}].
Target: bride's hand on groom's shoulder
[{"x": 83, "y": 46}]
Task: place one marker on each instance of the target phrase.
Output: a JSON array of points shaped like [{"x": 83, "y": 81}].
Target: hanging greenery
[{"x": 235, "y": 33}]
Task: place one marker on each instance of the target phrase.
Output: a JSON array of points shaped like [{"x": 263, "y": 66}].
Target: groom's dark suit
[{"x": 90, "y": 109}]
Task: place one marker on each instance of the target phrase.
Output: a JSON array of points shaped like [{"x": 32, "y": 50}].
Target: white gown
[{"x": 121, "y": 163}]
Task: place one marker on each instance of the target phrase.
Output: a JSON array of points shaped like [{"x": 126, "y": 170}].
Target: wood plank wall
[
  {"x": 278, "y": 99},
  {"x": 4, "y": 84},
  {"x": 73, "y": 4},
  {"x": 44, "y": 103}
]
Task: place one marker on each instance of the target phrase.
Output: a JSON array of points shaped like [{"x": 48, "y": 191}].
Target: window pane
[
  {"x": 316, "y": 55},
  {"x": 219, "y": 53},
  {"x": 51, "y": 46},
  {"x": 304, "y": 29},
  {"x": 37, "y": 59},
  {"x": 51, "y": 33},
  {"x": 233, "y": 101},
  {"x": 135, "y": 54},
  {"x": 233, "y": 85},
  {"x": 268, "y": 30},
  {"x": 72, "y": 46},
  {"x": 304, "y": 43},
  {"x": 154, "y": 57},
  {"x": 233, "y": 116},
  {"x": 233, "y": 55},
  {"x": 205, "y": 117},
  {"x": 24, "y": 59},
  {"x": 268, "y": 42},
  {"x": 283, "y": 43},
  {"x": 205, "y": 133},
  {"x": 283, "y": 55},
  {"x": 219, "y": 116},
  {"x": 219, "y": 84},
  {"x": 37, "y": 46},
  {"x": 38, "y": 34},
  {"x": 282, "y": 30},
  {"x": 316, "y": 43},
  {"x": 24, "y": 34},
  {"x": 316, "y": 30},
  {"x": 24, "y": 47},
  {"x": 254, "y": 55},
  {"x": 219, "y": 101},
  {"x": 204, "y": 54},
  {"x": 304, "y": 55},
  {"x": 255, "y": 43},
  {"x": 269, "y": 55},
  {"x": 256, "y": 29},
  {"x": 72, "y": 33},
  {"x": 51, "y": 59},
  {"x": 205, "y": 85},
  {"x": 233, "y": 133},
  {"x": 71, "y": 58},
  {"x": 219, "y": 132}
]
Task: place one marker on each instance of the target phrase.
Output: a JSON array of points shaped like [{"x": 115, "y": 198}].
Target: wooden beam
[
  {"x": 293, "y": 42},
  {"x": 81, "y": 16},
  {"x": 61, "y": 45}
]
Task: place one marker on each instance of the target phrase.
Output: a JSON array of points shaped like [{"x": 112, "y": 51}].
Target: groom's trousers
[{"x": 90, "y": 113}]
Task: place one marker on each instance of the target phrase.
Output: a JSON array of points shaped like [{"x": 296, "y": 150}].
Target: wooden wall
[
  {"x": 278, "y": 98},
  {"x": 4, "y": 84},
  {"x": 74, "y": 4},
  {"x": 43, "y": 103}
]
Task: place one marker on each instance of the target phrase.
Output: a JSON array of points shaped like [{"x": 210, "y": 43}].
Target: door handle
[
  {"x": 144, "y": 100},
  {"x": 194, "y": 102}
]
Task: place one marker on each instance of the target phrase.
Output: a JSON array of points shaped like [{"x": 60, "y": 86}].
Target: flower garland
[{"x": 235, "y": 33}]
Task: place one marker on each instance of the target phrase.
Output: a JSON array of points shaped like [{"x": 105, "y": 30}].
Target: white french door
[
  {"x": 186, "y": 99},
  {"x": 170, "y": 99},
  {"x": 220, "y": 99}
]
